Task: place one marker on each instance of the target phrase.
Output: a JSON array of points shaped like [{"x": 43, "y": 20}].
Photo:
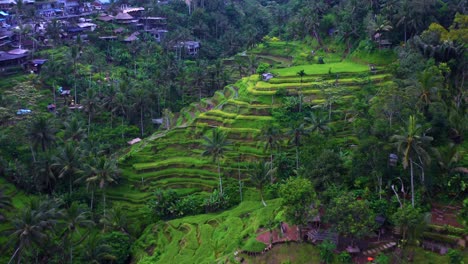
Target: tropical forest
[{"x": 233, "y": 131}]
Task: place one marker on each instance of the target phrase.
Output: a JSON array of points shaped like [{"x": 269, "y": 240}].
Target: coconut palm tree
[
  {"x": 44, "y": 175},
  {"x": 260, "y": 174},
  {"x": 91, "y": 104},
  {"x": 271, "y": 135},
  {"x": 32, "y": 226},
  {"x": 295, "y": 134},
  {"x": 140, "y": 102},
  {"x": 95, "y": 251},
  {"x": 5, "y": 203},
  {"x": 74, "y": 129},
  {"x": 74, "y": 218},
  {"x": 116, "y": 219},
  {"x": 215, "y": 147},
  {"x": 41, "y": 133},
  {"x": 301, "y": 74},
  {"x": 67, "y": 163},
  {"x": 412, "y": 145},
  {"x": 316, "y": 122},
  {"x": 105, "y": 172}
]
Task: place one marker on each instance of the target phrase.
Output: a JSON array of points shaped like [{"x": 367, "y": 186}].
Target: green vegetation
[{"x": 362, "y": 117}]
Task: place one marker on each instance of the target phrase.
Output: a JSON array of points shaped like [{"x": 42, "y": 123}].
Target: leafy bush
[
  {"x": 382, "y": 259},
  {"x": 455, "y": 256},
  {"x": 120, "y": 244},
  {"x": 344, "y": 257},
  {"x": 326, "y": 251}
]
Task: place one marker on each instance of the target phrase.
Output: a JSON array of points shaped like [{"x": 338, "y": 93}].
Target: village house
[
  {"x": 12, "y": 58},
  {"x": 7, "y": 5},
  {"x": 190, "y": 47},
  {"x": 158, "y": 34},
  {"x": 153, "y": 22},
  {"x": 69, "y": 6}
]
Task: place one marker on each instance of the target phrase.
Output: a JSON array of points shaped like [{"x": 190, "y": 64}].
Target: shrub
[
  {"x": 263, "y": 68},
  {"x": 455, "y": 256},
  {"x": 344, "y": 257},
  {"x": 320, "y": 60},
  {"x": 120, "y": 244},
  {"x": 382, "y": 259},
  {"x": 326, "y": 251}
]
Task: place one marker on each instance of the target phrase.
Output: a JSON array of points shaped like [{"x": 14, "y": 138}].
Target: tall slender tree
[
  {"x": 41, "y": 132},
  {"x": 215, "y": 147},
  {"x": 67, "y": 163},
  {"x": 105, "y": 172},
  {"x": 412, "y": 144}
]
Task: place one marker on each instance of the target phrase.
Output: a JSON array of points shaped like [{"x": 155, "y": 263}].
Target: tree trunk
[
  {"x": 92, "y": 200},
  {"x": 412, "y": 182},
  {"x": 14, "y": 255},
  {"x": 89, "y": 121},
  {"x": 33, "y": 154},
  {"x": 104, "y": 200},
  {"x": 297, "y": 158},
  {"x": 122, "y": 127},
  {"x": 261, "y": 196},
  {"x": 141, "y": 121},
  {"x": 70, "y": 184},
  {"x": 240, "y": 182},
  {"x": 220, "y": 180},
  {"x": 271, "y": 164}
]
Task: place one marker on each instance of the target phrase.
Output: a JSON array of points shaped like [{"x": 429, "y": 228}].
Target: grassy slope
[{"x": 204, "y": 238}]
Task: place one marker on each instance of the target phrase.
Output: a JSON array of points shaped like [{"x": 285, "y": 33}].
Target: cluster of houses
[{"x": 20, "y": 35}]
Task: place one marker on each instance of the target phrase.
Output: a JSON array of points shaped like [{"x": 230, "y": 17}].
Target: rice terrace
[{"x": 233, "y": 132}]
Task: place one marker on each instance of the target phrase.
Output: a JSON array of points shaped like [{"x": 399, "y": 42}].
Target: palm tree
[
  {"x": 68, "y": 163},
  {"x": 316, "y": 122},
  {"x": 140, "y": 102},
  {"x": 74, "y": 218},
  {"x": 301, "y": 74},
  {"x": 32, "y": 225},
  {"x": 95, "y": 251},
  {"x": 74, "y": 129},
  {"x": 296, "y": 132},
  {"x": 5, "y": 203},
  {"x": 412, "y": 145},
  {"x": 260, "y": 173},
  {"x": 90, "y": 104},
  {"x": 215, "y": 147},
  {"x": 41, "y": 132},
  {"x": 271, "y": 134},
  {"x": 44, "y": 174},
  {"x": 105, "y": 172},
  {"x": 116, "y": 219},
  {"x": 109, "y": 101},
  {"x": 428, "y": 85}
]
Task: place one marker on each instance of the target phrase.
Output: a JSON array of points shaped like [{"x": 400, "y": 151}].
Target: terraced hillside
[
  {"x": 172, "y": 159},
  {"x": 207, "y": 238}
]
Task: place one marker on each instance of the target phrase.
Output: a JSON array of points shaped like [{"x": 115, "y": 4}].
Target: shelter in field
[{"x": 34, "y": 66}]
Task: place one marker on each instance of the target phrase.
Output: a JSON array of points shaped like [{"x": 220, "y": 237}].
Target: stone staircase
[
  {"x": 315, "y": 236},
  {"x": 377, "y": 250}
]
